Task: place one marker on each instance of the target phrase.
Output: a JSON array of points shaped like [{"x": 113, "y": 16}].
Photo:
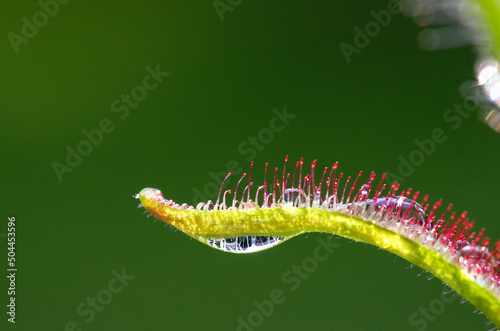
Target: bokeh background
[{"x": 225, "y": 78}]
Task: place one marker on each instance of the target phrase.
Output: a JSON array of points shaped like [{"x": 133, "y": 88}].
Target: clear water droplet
[
  {"x": 296, "y": 197},
  {"x": 397, "y": 205},
  {"x": 245, "y": 244}
]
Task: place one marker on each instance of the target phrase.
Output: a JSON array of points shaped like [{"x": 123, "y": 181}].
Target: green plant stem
[
  {"x": 491, "y": 13},
  {"x": 291, "y": 221},
  {"x": 422, "y": 256}
]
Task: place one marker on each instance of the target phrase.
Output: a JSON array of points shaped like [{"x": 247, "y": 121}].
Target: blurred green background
[{"x": 225, "y": 78}]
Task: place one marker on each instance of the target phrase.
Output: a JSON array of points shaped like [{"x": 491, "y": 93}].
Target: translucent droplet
[
  {"x": 295, "y": 197},
  {"x": 398, "y": 206},
  {"x": 245, "y": 244}
]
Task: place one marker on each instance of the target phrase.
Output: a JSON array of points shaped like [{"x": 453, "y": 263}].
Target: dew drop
[
  {"x": 295, "y": 197},
  {"x": 245, "y": 244}
]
